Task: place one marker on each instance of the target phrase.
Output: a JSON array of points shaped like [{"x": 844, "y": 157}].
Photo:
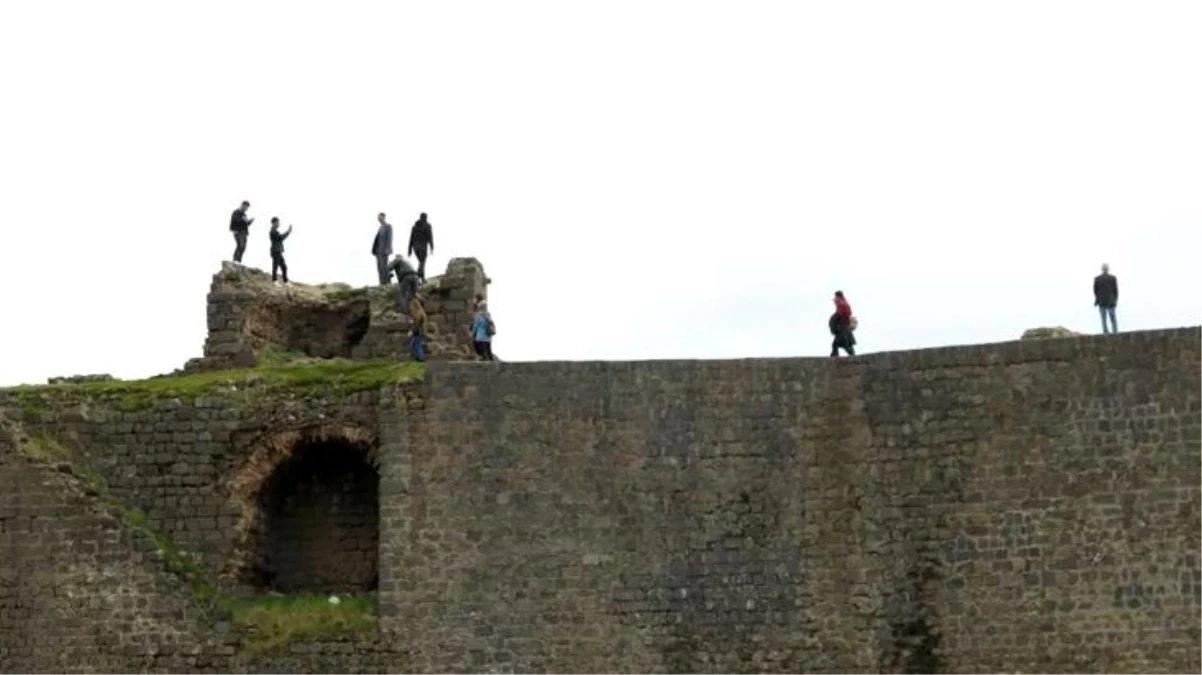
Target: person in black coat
[
  {"x": 240, "y": 225},
  {"x": 277, "y": 249},
  {"x": 421, "y": 238},
  {"x": 1106, "y": 297}
]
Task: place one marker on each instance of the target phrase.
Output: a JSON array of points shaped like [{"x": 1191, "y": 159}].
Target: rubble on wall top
[{"x": 1047, "y": 332}]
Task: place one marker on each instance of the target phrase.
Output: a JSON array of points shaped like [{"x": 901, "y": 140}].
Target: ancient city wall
[{"x": 1027, "y": 506}]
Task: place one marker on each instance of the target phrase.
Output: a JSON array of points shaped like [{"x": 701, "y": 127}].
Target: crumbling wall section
[{"x": 251, "y": 319}]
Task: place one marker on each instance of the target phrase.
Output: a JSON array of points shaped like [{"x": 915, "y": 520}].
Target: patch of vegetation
[
  {"x": 274, "y": 357},
  {"x": 44, "y": 449},
  {"x": 304, "y": 379},
  {"x": 267, "y": 623},
  {"x": 272, "y": 622}
]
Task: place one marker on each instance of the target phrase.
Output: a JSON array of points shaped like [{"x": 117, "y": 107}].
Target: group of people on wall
[
  {"x": 388, "y": 265},
  {"x": 843, "y": 323}
]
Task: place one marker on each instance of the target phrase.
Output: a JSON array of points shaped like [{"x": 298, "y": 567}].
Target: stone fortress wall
[{"x": 1023, "y": 506}]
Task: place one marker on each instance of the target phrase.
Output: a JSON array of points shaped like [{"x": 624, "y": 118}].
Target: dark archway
[{"x": 318, "y": 521}]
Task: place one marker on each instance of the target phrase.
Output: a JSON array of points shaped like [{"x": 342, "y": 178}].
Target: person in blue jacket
[{"x": 482, "y": 331}]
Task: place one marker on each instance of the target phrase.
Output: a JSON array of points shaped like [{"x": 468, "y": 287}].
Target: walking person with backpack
[
  {"x": 483, "y": 329},
  {"x": 277, "y": 250},
  {"x": 842, "y": 325},
  {"x": 240, "y": 225},
  {"x": 421, "y": 243}
]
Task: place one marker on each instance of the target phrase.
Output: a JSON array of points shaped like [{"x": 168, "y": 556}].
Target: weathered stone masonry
[
  {"x": 248, "y": 315},
  {"x": 1027, "y": 506}
]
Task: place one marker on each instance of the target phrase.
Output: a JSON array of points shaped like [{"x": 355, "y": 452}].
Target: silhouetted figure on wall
[
  {"x": 1106, "y": 297},
  {"x": 381, "y": 248},
  {"x": 277, "y": 249},
  {"x": 407, "y": 279},
  {"x": 240, "y": 225},
  {"x": 842, "y": 325},
  {"x": 421, "y": 243}
]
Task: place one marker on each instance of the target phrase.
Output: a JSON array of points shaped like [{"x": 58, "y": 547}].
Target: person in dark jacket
[
  {"x": 277, "y": 249},
  {"x": 421, "y": 238},
  {"x": 406, "y": 277},
  {"x": 840, "y": 325},
  {"x": 240, "y": 225},
  {"x": 1106, "y": 297},
  {"x": 381, "y": 248}
]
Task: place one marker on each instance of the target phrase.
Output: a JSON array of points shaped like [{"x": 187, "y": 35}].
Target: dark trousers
[
  {"x": 278, "y": 265},
  {"x": 845, "y": 341},
  {"x": 382, "y": 268},
  {"x": 421, "y": 262},
  {"x": 417, "y": 347},
  {"x": 484, "y": 350},
  {"x": 239, "y": 245},
  {"x": 408, "y": 290}
]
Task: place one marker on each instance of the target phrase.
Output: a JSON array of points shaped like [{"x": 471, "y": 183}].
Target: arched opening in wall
[{"x": 317, "y": 525}]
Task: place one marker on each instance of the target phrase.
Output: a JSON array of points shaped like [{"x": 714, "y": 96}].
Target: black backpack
[{"x": 834, "y": 323}]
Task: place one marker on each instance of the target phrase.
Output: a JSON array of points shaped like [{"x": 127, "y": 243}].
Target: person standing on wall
[
  {"x": 240, "y": 225},
  {"x": 277, "y": 249},
  {"x": 381, "y": 248},
  {"x": 1106, "y": 297},
  {"x": 417, "y": 342},
  {"x": 842, "y": 325},
  {"x": 407, "y": 279},
  {"x": 483, "y": 330},
  {"x": 421, "y": 238}
]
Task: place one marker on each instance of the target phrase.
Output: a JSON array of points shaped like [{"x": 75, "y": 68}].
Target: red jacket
[{"x": 843, "y": 309}]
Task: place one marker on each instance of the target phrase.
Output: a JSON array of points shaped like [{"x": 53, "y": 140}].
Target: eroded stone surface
[{"x": 248, "y": 315}]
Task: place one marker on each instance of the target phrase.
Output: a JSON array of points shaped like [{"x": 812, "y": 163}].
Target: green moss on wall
[
  {"x": 270, "y": 623},
  {"x": 265, "y": 624},
  {"x": 297, "y": 380}
]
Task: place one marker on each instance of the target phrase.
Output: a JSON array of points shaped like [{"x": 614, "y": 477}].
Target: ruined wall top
[{"x": 253, "y": 321}]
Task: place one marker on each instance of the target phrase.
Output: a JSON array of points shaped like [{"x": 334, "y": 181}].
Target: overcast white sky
[{"x": 640, "y": 179}]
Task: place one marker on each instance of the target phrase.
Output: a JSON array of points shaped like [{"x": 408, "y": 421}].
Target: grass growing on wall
[
  {"x": 266, "y": 623},
  {"x": 272, "y": 622},
  {"x": 278, "y": 376}
]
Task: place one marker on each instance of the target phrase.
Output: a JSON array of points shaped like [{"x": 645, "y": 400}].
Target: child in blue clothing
[{"x": 482, "y": 331}]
